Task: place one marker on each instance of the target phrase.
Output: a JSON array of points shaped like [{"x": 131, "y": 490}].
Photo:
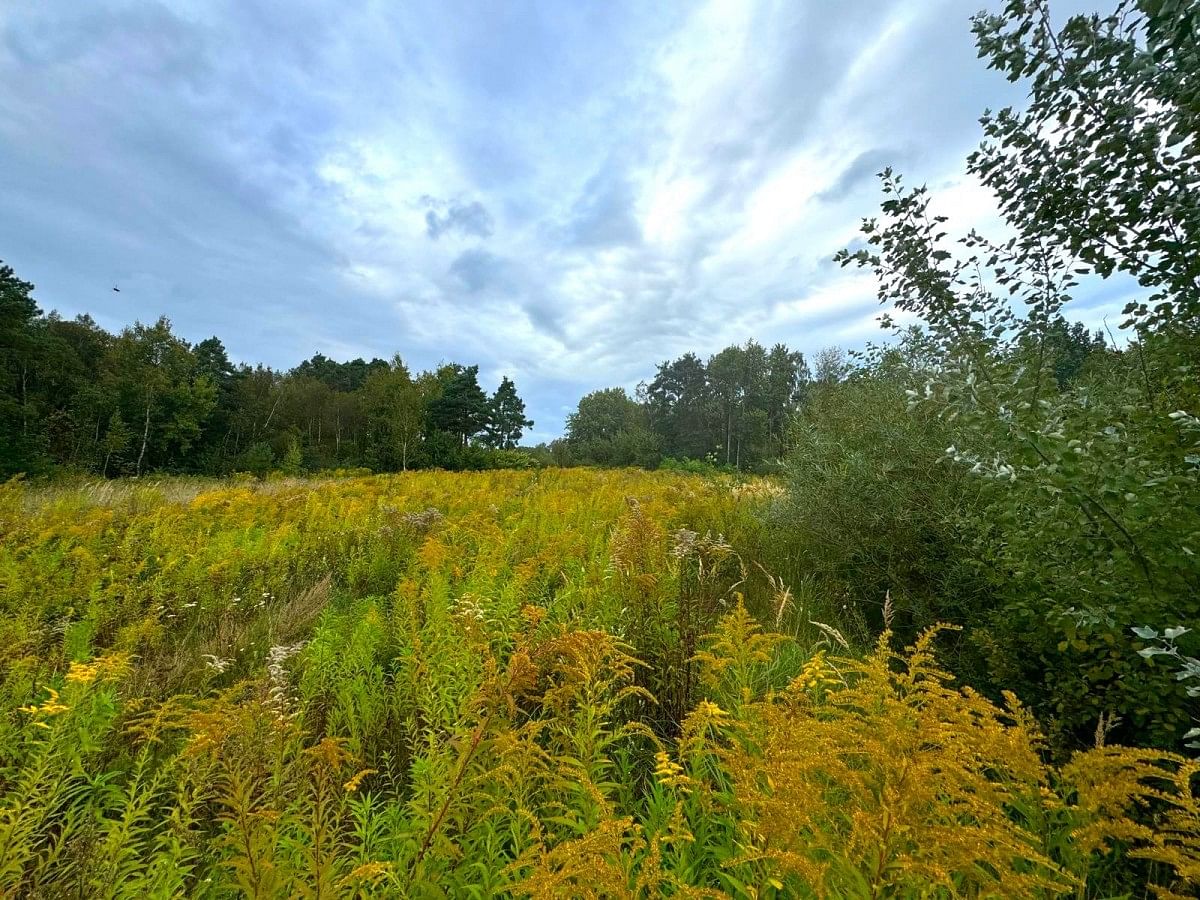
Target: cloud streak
[{"x": 564, "y": 193}]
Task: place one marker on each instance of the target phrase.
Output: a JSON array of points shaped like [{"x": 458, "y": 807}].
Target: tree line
[
  {"x": 731, "y": 410},
  {"x": 737, "y": 410},
  {"x": 75, "y": 396}
]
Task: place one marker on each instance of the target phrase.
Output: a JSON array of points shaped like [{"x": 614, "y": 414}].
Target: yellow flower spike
[
  {"x": 669, "y": 773},
  {"x": 353, "y": 784},
  {"x": 372, "y": 873},
  {"x": 711, "y": 713},
  {"x": 111, "y": 667},
  {"x": 81, "y": 673},
  {"x": 51, "y": 706}
]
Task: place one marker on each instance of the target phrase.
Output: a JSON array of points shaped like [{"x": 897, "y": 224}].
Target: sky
[{"x": 567, "y": 193}]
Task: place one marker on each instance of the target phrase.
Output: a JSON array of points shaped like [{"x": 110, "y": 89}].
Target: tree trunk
[
  {"x": 728, "y": 434},
  {"x": 24, "y": 398},
  {"x": 271, "y": 414},
  {"x": 145, "y": 440}
]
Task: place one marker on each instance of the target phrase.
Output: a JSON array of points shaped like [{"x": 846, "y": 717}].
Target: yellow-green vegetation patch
[{"x": 551, "y": 683}]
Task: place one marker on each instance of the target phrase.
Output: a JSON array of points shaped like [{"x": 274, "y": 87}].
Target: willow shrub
[{"x": 525, "y": 684}]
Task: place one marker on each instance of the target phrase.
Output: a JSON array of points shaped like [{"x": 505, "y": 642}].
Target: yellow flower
[
  {"x": 112, "y": 667},
  {"x": 372, "y": 872},
  {"x": 670, "y": 773},
  {"x": 815, "y": 675},
  {"x": 711, "y": 714},
  {"x": 51, "y": 706},
  {"x": 353, "y": 784},
  {"x": 82, "y": 673}
]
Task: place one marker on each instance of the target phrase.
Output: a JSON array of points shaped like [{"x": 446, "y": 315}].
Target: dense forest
[
  {"x": 739, "y": 410},
  {"x": 76, "y": 397}
]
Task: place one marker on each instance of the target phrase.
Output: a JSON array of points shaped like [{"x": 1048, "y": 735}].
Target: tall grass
[{"x": 557, "y": 683}]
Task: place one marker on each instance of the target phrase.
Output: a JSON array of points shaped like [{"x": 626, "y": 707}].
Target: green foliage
[
  {"x": 293, "y": 460},
  {"x": 874, "y": 510},
  {"x": 395, "y": 407},
  {"x": 506, "y": 420},
  {"x": 735, "y": 408},
  {"x": 609, "y": 428},
  {"x": 152, "y": 379},
  {"x": 1087, "y": 476},
  {"x": 74, "y": 397},
  {"x": 1101, "y": 163},
  {"x": 18, "y": 361},
  {"x": 257, "y": 460},
  {"x": 461, "y": 409},
  {"x": 706, "y": 466}
]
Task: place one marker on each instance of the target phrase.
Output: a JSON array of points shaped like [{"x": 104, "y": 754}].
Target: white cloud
[{"x": 565, "y": 194}]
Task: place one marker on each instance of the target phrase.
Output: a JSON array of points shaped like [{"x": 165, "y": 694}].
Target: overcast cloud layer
[{"x": 566, "y": 193}]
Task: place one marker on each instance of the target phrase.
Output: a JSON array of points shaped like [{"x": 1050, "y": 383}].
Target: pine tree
[
  {"x": 462, "y": 409},
  {"x": 506, "y": 417}
]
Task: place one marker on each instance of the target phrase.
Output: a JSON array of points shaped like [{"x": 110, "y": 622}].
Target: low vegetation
[{"x": 539, "y": 684}]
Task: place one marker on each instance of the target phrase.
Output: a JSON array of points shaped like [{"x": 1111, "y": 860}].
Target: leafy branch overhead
[{"x": 1085, "y": 519}]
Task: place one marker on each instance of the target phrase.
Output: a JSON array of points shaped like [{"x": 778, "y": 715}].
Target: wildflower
[
  {"x": 372, "y": 872},
  {"x": 424, "y": 520},
  {"x": 112, "y": 667},
  {"x": 353, "y": 784},
  {"x": 51, "y": 706},
  {"x": 216, "y": 663},
  {"x": 81, "y": 673},
  {"x": 816, "y": 674},
  {"x": 684, "y": 543},
  {"x": 533, "y": 614},
  {"x": 711, "y": 714},
  {"x": 670, "y": 773},
  {"x": 279, "y": 694},
  {"x": 468, "y": 606}
]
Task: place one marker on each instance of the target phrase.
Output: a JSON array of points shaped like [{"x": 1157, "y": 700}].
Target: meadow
[{"x": 540, "y": 683}]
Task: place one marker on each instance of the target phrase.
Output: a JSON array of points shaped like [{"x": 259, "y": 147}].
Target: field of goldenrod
[{"x": 556, "y": 683}]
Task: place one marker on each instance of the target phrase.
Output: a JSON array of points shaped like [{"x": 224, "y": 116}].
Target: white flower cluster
[
  {"x": 424, "y": 520},
  {"x": 216, "y": 663},
  {"x": 469, "y": 606},
  {"x": 683, "y": 542},
  {"x": 279, "y": 693}
]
